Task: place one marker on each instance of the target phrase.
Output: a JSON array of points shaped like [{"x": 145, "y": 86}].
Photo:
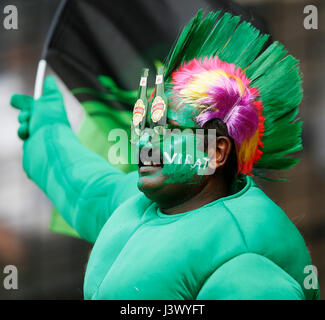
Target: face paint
[
  {"x": 181, "y": 165},
  {"x": 184, "y": 158},
  {"x": 181, "y": 153}
]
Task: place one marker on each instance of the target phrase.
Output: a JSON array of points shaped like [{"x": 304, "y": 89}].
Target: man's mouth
[
  {"x": 150, "y": 166},
  {"x": 149, "y": 163}
]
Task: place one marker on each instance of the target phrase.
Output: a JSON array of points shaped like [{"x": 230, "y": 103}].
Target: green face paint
[
  {"x": 182, "y": 154},
  {"x": 180, "y": 151},
  {"x": 184, "y": 158}
]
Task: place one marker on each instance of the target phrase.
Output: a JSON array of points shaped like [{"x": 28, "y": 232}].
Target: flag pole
[
  {"x": 41, "y": 69},
  {"x": 39, "y": 79}
]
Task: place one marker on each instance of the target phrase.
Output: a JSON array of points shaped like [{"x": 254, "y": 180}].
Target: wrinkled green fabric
[
  {"x": 238, "y": 247},
  {"x": 97, "y": 122}
]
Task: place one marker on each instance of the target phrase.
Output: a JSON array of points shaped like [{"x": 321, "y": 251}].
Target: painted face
[{"x": 174, "y": 161}]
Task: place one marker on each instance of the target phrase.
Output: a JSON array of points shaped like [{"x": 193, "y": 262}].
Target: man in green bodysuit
[{"x": 168, "y": 231}]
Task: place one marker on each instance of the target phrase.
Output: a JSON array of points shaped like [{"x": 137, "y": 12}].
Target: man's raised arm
[{"x": 83, "y": 186}]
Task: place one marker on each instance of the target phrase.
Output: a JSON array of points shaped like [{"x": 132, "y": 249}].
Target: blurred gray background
[{"x": 51, "y": 266}]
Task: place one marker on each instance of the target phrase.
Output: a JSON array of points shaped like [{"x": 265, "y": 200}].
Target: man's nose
[{"x": 145, "y": 141}]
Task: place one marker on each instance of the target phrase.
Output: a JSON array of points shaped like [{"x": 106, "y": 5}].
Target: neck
[{"x": 213, "y": 190}]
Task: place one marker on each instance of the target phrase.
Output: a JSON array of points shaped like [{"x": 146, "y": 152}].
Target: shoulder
[
  {"x": 266, "y": 230},
  {"x": 262, "y": 222}
]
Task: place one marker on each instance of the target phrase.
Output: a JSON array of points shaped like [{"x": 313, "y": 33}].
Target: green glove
[{"x": 47, "y": 110}]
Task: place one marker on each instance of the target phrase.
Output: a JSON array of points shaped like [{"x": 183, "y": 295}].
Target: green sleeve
[
  {"x": 250, "y": 277},
  {"x": 83, "y": 186}
]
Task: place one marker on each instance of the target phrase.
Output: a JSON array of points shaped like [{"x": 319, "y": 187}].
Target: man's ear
[{"x": 219, "y": 153}]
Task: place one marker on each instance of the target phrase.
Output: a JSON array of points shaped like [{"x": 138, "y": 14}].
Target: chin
[
  {"x": 150, "y": 185},
  {"x": 155, "y": 189}
]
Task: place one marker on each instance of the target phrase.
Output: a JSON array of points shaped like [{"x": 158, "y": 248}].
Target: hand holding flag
[{"x": 47, "y": 110}]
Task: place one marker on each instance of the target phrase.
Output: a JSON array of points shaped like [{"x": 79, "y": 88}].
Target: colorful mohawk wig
[{"x": 215, "y": 67}]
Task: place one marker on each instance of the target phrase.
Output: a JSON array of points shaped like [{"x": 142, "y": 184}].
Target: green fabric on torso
[{"x": 142, "y": 253}]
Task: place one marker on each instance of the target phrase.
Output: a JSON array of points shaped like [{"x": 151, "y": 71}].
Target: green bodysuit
[{"x": 239, "y": 247}]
